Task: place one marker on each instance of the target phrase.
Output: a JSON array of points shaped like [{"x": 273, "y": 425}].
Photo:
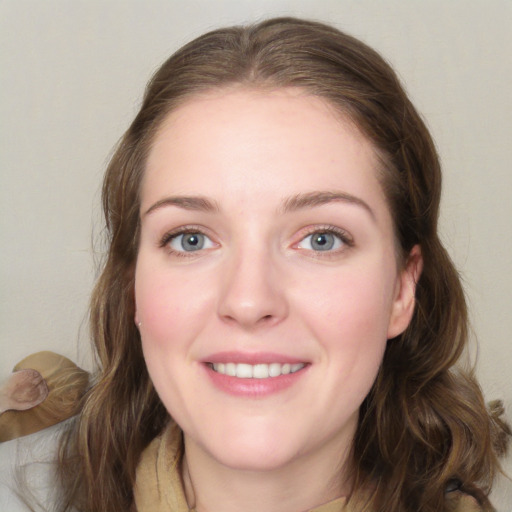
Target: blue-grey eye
[
  {"x": 321, "y": 241},
  {"x": 189, "y": 242}
]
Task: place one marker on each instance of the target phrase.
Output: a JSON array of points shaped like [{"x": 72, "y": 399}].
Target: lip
[
  {"x": 251, "y": 387},
  {"x": 251, "y": 358}
]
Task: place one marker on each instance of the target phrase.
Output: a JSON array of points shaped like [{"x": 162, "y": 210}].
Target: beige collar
[{"x": 158, "y": 486}]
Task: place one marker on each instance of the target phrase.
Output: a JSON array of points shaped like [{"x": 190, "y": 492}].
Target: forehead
[
  {"x": 259, "y": 143},
  {"x": 288, "y": 111}
]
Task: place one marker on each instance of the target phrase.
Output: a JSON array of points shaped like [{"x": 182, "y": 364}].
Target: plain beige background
[{"x": 72, "y": 77}]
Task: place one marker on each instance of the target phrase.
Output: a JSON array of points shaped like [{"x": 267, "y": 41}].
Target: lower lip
[{"x": 255, "y": 388}]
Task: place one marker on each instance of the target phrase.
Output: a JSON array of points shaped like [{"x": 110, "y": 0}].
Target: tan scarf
[{"x": 158, "y": 486}]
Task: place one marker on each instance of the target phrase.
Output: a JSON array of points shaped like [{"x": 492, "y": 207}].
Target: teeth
[
  {"x": 244, "y": 371},
  {"x": 256, "y": 371},
  {"x": 230, "y": 369},
  {"x": 274, "y": 370},
  {"x": 260, "y": 371}
]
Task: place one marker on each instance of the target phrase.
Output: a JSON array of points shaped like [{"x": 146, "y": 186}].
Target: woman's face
[{"x": 266, "y": 282}]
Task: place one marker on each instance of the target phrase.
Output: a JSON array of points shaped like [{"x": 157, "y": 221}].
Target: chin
[
  {"x": 253, "y": 458},
  {"x": 253, "y": 449}
]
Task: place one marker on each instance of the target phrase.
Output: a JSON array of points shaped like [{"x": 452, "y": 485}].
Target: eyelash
[
  {"x": 346, "y": 240},
  {"x": 339, "y": 233},
  {"x": 183, "y": 230}
]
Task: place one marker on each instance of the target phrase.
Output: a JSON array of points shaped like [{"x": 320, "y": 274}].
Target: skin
[
  {"x": 22, "y": 390},
  {"x": 259, "y": 285}
]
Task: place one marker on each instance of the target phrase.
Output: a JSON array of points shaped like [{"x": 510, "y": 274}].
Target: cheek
[
  {"x": 170, "y": 310},
  {"x": 354, "y": 303},
  {"x": 349, "y": 315},
  {"x": 169, "y": 305}
]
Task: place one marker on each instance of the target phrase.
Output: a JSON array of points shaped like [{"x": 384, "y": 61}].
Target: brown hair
[{"x": 424, "y": 423}]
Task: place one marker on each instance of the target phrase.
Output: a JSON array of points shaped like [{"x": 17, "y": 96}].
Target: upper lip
[{"x": 251, "y": 358}]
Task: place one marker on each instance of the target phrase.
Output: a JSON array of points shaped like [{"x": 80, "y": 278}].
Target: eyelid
[
  {"x": 165, "y": 240},
  {"x": 345, "y": 237}
]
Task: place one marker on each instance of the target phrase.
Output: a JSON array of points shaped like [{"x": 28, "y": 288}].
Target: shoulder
[{"x": 27, "y": 470}]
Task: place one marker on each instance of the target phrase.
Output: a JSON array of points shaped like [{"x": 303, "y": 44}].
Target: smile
[{"x": 256, "y": 371}]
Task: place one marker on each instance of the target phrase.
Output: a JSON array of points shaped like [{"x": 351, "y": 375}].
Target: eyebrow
[
  {"x": 195, "y": 203},
  {"x": 294, "y": 203},
  {"x": 320, "y": 198}
]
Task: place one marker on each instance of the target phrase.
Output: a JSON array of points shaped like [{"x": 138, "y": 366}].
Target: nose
[{"x": 253, "y": 293}]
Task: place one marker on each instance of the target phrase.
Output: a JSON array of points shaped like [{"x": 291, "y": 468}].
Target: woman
[{"x": 275, "y": 284}]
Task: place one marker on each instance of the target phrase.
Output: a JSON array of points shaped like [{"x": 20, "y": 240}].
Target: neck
[{"x": 304, "y": 483}]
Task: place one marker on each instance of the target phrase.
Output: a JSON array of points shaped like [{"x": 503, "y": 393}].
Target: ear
[{"x": 404, "y": 300}]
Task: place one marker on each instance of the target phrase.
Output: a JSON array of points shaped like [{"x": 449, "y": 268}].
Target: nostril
[{"x": 267, "y": 320}]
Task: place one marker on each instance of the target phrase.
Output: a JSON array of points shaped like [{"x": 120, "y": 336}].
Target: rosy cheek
[
  {"x": 168, "y": 305},
  {"x": 151, "y": 304},
  {"x": 352, "y": 301}
]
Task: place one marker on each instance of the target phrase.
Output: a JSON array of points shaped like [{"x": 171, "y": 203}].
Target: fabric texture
[
  {"x": 158, "y": 486},
  {"x": 31, "y": 462},
  {"x": 66, "y": 383}
]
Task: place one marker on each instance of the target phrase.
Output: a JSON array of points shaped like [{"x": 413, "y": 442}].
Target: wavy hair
[{"x": 424, "y": 424}]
